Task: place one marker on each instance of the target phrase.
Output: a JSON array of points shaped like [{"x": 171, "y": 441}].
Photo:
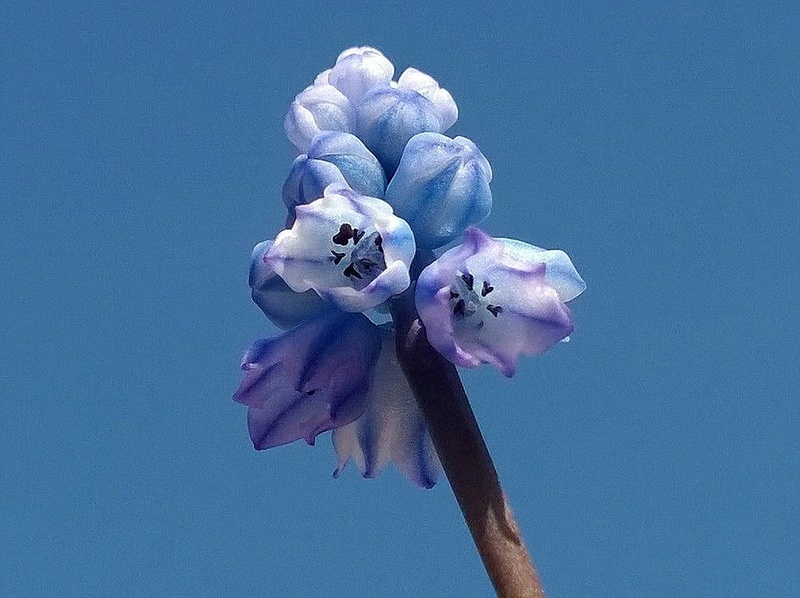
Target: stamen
[
  {"x": 357, "y": 234},
  {"x": 337, "y": 257},
  {"x": 486, "y": 288},
  {"x": 453, "y": 294},
  {"x": 469, "y": 279},
  {"x": 344, "y": 235},
  {"x": 351, "y": 271},
  {"x": 495, "y": 309},
  {"x": 459, "y": 308}
]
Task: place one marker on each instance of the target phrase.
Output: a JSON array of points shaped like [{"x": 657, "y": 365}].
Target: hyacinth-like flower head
[{"x": 377, "y": 181}]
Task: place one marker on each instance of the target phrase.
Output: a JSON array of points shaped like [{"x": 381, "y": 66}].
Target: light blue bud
[
  {"x": 332, "y": 157},
  {"x": 441, "y": 188}
]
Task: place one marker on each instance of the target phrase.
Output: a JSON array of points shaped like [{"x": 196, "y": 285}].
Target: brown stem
[{"x": 464, "y": 456}]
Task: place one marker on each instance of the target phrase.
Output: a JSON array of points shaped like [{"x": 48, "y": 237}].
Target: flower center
[
  {"x": 358, "y": 255},
  {"x": 466, "y": 301}
]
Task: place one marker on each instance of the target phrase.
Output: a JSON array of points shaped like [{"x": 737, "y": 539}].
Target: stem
[{"x": 464, "y": 456}]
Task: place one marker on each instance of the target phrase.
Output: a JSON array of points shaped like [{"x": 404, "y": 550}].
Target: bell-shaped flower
[
  {"x": 351, "y": 249},
  {"x": 359, "y": 71},
  {"x": 319, "y": 107},
  {"x": 309, "y": 380},
  {"x": 280, "y": 304},
  {"x": 391, "y": 429},
  {"x": 428, "y": 87},
  {"x": 489, "y": 301},
  {"x": 441, "y": 187},
  {"x": 332, "y": 157},
  {"x": 387, "y": 118}
]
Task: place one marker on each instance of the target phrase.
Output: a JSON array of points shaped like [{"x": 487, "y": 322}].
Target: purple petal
[{"x": 309, "y": 380}]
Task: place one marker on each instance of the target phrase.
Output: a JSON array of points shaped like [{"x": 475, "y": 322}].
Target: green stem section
[{"x": 464, "y": 456}]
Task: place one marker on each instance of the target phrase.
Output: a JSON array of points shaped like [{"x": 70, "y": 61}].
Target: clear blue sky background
[{"x": 142, "y": 157}]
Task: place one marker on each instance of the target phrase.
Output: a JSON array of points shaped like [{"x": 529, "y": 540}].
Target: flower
[
  {"x": 440, "y": 188},
  {"x": 376, "y": 180},
  {"x": 391, "y": 428},
  {"x": 332, "y": 157},
  {"x": 319, "y": 107},
  {"x": 308, "y": 380},
  {"x": 351, "y": 249},
  {"x": 490, "y": 300},
  {"x": 337, "y": 372}
]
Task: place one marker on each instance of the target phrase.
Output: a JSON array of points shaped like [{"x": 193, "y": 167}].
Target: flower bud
[{"x": 441, "y": 187}]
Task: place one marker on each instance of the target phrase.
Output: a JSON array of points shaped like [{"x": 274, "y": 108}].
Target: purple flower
[
  {"x": 338, "y": 372},
  {"x": 309, "y": 380},
  {"x": 351, "y": 249},
  {"x": 490, "y": 300}
]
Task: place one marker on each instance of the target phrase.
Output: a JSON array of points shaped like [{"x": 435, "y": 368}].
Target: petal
[
  {"x": 441, "y": 187},
  {"x": 560, "y": 273},
  {"x": 313, "y": 255},
  {"x": 392, "y": 428},
  {"x": 317, "y": 108},
  {"x": 359, "y": 71},
  {"x": 388, "y": 118},
  {"x": 309, "y": 380},
  {"x": 425, "y": 85},
  {"x": 480, "y": 304},
  {"x": 280, "y": 304}
]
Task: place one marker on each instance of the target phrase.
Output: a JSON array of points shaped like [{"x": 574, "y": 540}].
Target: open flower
[
  {"x": 337, "y": 371},
  {"x": 489, "y": 301},
  {"x": 349, "y": 248},
  {"x": 391, "y": 429},
  {"x": 309, "y": 380}
]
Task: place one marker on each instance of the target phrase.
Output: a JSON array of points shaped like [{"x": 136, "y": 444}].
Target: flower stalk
[{"x": 464, "y": 456}]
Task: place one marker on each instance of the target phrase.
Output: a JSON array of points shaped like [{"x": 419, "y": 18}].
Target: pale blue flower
[
  {"x": 349, "y": 248},
  {"x": 489, "y": 301},
  {"x": 441, "y": 187}
]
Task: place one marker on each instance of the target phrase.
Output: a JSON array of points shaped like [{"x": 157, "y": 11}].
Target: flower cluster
[{"x": 376, "y": 181}]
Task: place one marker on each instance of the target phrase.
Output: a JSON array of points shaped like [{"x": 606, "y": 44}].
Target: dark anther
[
  {"x": 459, "y": 308},
  {"x": 311, "y": 392},
  {"x": 351, "y": 271},
  {"x": 337, "y": 257},
  {"x": 486, "y": 288},
  {"x": 379, "y": 243},
  {"x": 366, "y": 264},
  {"x": 357, "y": 234},
  {"x": 495, "y": 309},
  {"x": 453, "y": 294},
  {"x": 468, "y": 279},
  {"x": 344, "y": 235}
]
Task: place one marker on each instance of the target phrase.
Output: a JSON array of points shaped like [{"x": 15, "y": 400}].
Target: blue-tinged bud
[
  {"x": 359, "y": 71},
  {"x": 441, "y": 188},
  {"x": 319, "y": 107},
  {"x": 388, "y": 118},
  {"x": 333, "y": 157}
]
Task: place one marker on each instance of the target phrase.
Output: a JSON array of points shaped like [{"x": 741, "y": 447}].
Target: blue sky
[{"x": 142, "y": 157}]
